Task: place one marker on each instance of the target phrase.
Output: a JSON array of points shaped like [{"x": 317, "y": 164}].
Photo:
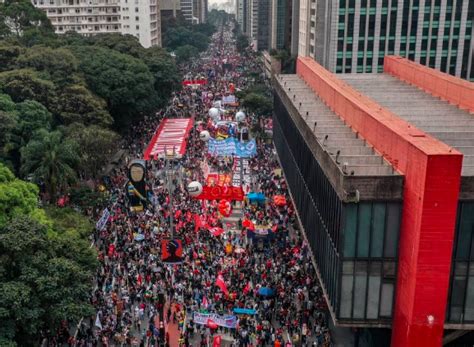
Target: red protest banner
[{"x": 220, "y": 192}]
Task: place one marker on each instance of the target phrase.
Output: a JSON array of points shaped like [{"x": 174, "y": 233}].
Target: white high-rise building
[{"x": 139, "y": 18}]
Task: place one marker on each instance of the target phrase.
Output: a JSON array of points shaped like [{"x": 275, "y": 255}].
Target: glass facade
[
  {"x": 460, "y": 308},
  {"x": 433, "y": 33},
  {"x": 318, "y": 204},
  {"x": 370, "y": 233},
  {"x": 354, "y": 245}
]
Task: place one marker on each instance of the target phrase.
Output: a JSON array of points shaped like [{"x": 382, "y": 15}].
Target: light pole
[{"x": 170, "y": 173}]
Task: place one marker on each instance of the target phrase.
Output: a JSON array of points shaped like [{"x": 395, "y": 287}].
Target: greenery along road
[{"x": 65, "y": 103}]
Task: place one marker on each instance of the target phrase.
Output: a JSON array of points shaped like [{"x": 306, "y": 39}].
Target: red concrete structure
[
  {"x": 432, "y": 173},
  {"x": 454, "y": 90}
]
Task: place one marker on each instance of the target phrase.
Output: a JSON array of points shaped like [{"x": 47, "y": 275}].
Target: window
[
  {"x": 136, "y": 9},
  {"x": 137, "y": 27}
]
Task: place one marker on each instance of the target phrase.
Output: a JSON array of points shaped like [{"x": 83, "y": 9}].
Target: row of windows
[
  {"x": 371, "y": 229},
  {"x": 428, "y": 36},
  {"x": 369, "y": 54},
  {"x": 288, "y": 143},
  {"x": 461, "y": 298},
  {"x": 367, "y": 290},
  {"x": 365, "y": 235}
]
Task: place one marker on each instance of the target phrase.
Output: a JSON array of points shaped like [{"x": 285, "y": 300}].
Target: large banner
[
  {"x": 242, "y": 174},
  {"x": 232, "y": 146},
  {"x": 102, "y": 222},
  {"x": 172, "y": 133},
  {"x": 171, "y": 251},
  {"x": 219, "y": 192},
  {"x": 194, "y": 82},
  {"x": 229, "y": 99},
  {"x": 214, "y": 179},
  {"x": 226, "y": 321}
]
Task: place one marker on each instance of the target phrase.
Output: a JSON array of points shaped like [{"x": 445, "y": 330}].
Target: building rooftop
[
  {"x": 350, "y": 152},
  {"x": 443, "y": 121}
]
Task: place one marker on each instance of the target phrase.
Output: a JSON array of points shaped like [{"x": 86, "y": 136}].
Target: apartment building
[{"x": 90, "y": 17}]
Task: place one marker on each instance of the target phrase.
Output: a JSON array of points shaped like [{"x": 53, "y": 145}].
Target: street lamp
[{"x": 170, "y": 174}]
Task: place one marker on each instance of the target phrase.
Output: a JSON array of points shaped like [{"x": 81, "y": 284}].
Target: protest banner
[
  {"x": 231, "y": 146},
  {"x": 226, "y": 321},
  {"x": 102, "y": 222}
]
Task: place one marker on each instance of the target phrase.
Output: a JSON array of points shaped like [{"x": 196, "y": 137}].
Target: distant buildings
[
  {"x": 139, "y": 18},
  {"x": 354, "y": 36},
  {"x": 269, "y": 24}
]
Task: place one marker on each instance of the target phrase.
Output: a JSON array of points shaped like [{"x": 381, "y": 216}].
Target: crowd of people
[{"x": 138, "y": 299}]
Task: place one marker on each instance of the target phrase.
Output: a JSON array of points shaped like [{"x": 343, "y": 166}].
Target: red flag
[
  {"x": 247, "y": 288},
  {"x": 217, "y": 341},
  {"x": 216, "y": 231},
  {"x": 247, "y": 223},
  {"x": 197, "y": 222},
  {"x": 221, "y": 284},
  {"x": 205, "y": 303}
]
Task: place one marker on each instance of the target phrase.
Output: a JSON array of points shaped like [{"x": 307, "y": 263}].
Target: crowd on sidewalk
[{"x": 136, "y": 296}]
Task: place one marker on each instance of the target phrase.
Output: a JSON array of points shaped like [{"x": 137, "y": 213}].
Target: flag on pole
[
  {"x": 247, "y": 288},
  {"x": 204, "y": 302},
  {"x": 216, "y": 231},
  {"x": 217, "y": 341},
  {"x": 221, "y": 284},
  {"x": 98, "y": 324}
]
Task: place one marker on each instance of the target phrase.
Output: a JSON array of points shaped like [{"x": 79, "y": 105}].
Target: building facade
[
  {"x": 169, "y": 8},
  {"x": 264, "y": 25},
  {"x": 139, "y": 18},
  {"x": 199, "y": 11},
  {"x": 187, "y": 10},
  {"x": 354, "y": 36},
  {"x": 381, "y": 172},
  {"x": 142, "y": 19}
]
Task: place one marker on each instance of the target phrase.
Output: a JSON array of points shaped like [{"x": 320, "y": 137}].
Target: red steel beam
[{"x": 456, "y": 91}]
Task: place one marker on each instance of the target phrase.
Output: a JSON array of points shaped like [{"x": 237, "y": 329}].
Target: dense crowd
[{"x": 135, "y": 291}]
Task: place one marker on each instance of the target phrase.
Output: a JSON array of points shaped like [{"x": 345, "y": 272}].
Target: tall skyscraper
[
  {"x": 355, "y": 35},
  {"x": 89, "y": 17},
  {"x": 281, "y": 28},
  {"x": 264, "y": 24}
]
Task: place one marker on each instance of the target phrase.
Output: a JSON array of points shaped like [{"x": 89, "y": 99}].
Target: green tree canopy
[
  {"x": 32, "y": 116},
  {"x": 8, "y": 54},
  {"x": 44, "y": 280},
  {"x": 185, "y": 53},
  {"x": 79, "y": 104},
  {"x": 57, "y": 65},
  {"x": 123, "y": 81},
  {"x": 97, "y": 146},
  {"x": 50, "y": 159},
  {"x": 258, "y": 103},
  {"x": 17, "y": 197},
  {"x": 26, "y": 84},
  {"x": 19, "y": 18},
  {"x": 242, "y": 42}
]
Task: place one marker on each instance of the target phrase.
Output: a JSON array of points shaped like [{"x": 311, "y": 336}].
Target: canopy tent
[
  {"x": 279, "y": 200},
  {"x": 170, "y": 134},
  {"x": 256, "y": 197}
]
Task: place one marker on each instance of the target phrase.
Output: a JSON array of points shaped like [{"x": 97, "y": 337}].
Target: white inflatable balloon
[
  {"x": 204, "y": 135},
  {"x": 213, "y": 112},
  {"x": 194, "y": 188},
  {"x": 240, "y": 116}
]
